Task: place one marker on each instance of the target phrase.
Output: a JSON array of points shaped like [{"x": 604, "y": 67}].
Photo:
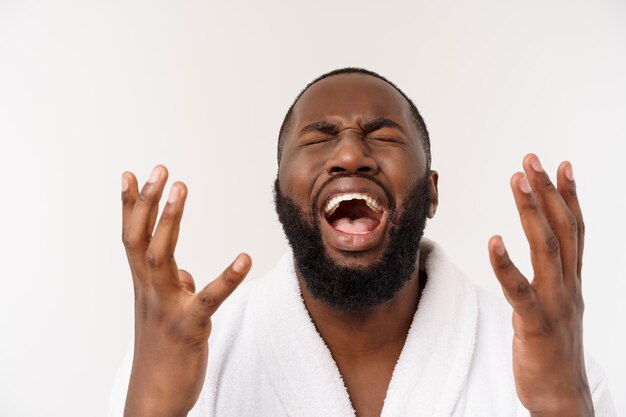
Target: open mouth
[{"x": 353, "y": 213}]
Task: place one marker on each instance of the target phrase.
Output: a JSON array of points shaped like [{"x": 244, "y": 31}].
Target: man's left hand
[{"x": 548, "y": 357}]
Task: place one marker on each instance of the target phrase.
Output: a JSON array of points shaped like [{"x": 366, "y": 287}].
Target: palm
[{"x": 548, "y": 359}]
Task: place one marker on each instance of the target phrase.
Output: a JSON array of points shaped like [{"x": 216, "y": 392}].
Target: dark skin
[
  {"x": 367, "y": 345},
  {"x": 367, "y": 129}
]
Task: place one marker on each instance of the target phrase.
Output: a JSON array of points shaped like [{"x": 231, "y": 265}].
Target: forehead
[{"x": 351, "y": 98}]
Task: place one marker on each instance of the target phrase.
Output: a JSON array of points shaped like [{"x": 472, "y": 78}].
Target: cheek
[
  {"x": 402, "y": 172},
  {"x": 297, "y": 177}
]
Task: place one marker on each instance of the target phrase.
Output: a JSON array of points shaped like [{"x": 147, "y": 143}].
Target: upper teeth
[{"x": 334, "y": 202}]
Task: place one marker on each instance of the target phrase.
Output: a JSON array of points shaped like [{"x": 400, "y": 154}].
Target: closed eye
[
  {"x": 317, "y": 141},
  {"x": 386, "y": 139}
]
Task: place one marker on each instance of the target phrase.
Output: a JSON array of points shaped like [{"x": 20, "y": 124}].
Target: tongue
[{"x": 361, "y": 225}]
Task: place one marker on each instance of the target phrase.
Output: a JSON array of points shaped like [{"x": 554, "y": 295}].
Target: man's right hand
[{"x": 172, "y": 321}]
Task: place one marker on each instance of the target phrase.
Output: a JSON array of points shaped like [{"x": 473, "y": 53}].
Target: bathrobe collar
[{"x": 431, "y": 371}]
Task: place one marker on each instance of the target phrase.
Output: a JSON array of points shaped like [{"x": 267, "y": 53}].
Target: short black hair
[{"x": 417, "y": 117}]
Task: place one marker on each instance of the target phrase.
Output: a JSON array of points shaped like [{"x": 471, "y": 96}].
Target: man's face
[{"x": 351, "y": 157}]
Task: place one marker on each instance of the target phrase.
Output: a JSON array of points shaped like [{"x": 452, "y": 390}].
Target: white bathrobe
[{"x": 267, "y": 359}]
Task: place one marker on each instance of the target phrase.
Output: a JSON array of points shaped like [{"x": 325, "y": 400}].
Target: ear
[{"x": 434, "y": 194}]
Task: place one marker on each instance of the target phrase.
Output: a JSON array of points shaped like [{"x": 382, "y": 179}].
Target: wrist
[
  {"x": 152, "y": 394},
  {"x": 579, "y": 407},
  {"x": 132, "y": 410},
  {"x": 145, "y": 404},
  {"x": 565, "y": 412}
]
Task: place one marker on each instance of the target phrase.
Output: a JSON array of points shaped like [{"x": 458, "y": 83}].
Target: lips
[{"x": 353, "y": 213}]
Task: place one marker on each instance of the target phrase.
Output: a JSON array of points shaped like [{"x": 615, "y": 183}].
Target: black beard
[{"x": 356, "y": 289}]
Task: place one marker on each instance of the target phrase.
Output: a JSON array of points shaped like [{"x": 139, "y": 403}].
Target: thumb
[{"x": 213, "y": 294}]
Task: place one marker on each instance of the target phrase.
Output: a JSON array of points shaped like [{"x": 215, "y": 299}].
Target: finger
[
  {"x": 516, "y": 288},
  {"x": 138, "y": 233},
  {"x": 152, "y": 217},
  {"x": 544, "y": 245},
  {"x": 186, "y": 280},
  {"x": 567, "y": 187},
  {"x": 129, "y": 197},
  {"x": 208, "y": 300},
  {"x": 160, "y": 252},
  {"x": 559, "y": 217}
]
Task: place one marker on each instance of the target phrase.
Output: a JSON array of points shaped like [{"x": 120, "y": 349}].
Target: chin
[{"x": 356, "y": 259}]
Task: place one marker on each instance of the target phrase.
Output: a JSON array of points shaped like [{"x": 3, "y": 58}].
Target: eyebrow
[
  {"x": 380, "y": 123},
  {"x": 333, "y": 129},
  {"x": 323, "y": 127}
]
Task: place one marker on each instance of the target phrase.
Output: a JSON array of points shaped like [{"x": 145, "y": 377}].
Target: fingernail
[
  {"x": 569, "y": 172},
  {"x": 500, "y": 249},
  {"x": 534, "y": 162},
  {"x": 174, "y": 194},
  {"x": 524, "y": 186},
  {"x": 125, "y": 183},
  {"x": 238, "y": 266},
  {"x": 156, "y": 175}
]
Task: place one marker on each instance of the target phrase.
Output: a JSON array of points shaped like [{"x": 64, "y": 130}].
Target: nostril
[{"x": 350, "y": 157}]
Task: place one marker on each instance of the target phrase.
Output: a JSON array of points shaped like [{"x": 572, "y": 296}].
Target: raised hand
[
  {"x": 548, "y": 359},
  {"x": 172, "y": 322}
]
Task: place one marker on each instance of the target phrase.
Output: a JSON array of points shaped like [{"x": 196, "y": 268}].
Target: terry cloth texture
[{"x": 266, "y": 358}]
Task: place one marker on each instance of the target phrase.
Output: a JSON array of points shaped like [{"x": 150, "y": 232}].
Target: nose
[{"x": 351, "y": 156}]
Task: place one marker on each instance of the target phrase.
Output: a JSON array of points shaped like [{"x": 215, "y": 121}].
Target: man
[{"x": 336, "y": 329}]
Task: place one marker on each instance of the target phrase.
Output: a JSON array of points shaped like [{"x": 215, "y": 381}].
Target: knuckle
[
  {"x": 568, "y": 222},
  {"x": 143, "y": 197},
  {"x": 547, "y": 184},
  {"x": 153, "y": 260},
  {"x": 230, "y": 277},
  {"x": 552, "y": 246},
  {"x": 581, "y": 227},
  {"x": 208, "y": 300},
  {"x": 529, "y": 205},
  {"x": 130, "y": 242},
  {"x": 133, "y": 241},
  {"x": 572, "y": 223},
  {"x": 522, "y": 288},
  {"x": 571, "y": 193},
  {"x": 505, "y": 264}
]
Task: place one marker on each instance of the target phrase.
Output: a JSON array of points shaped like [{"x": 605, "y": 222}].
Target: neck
[{"x": 375, "y": 330}]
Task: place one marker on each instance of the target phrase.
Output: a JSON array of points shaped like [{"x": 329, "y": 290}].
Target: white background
[{"x": 89, "y": 89}]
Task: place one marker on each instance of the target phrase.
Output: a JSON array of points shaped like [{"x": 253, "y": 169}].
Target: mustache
[{"x": 390, "y": 198}]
